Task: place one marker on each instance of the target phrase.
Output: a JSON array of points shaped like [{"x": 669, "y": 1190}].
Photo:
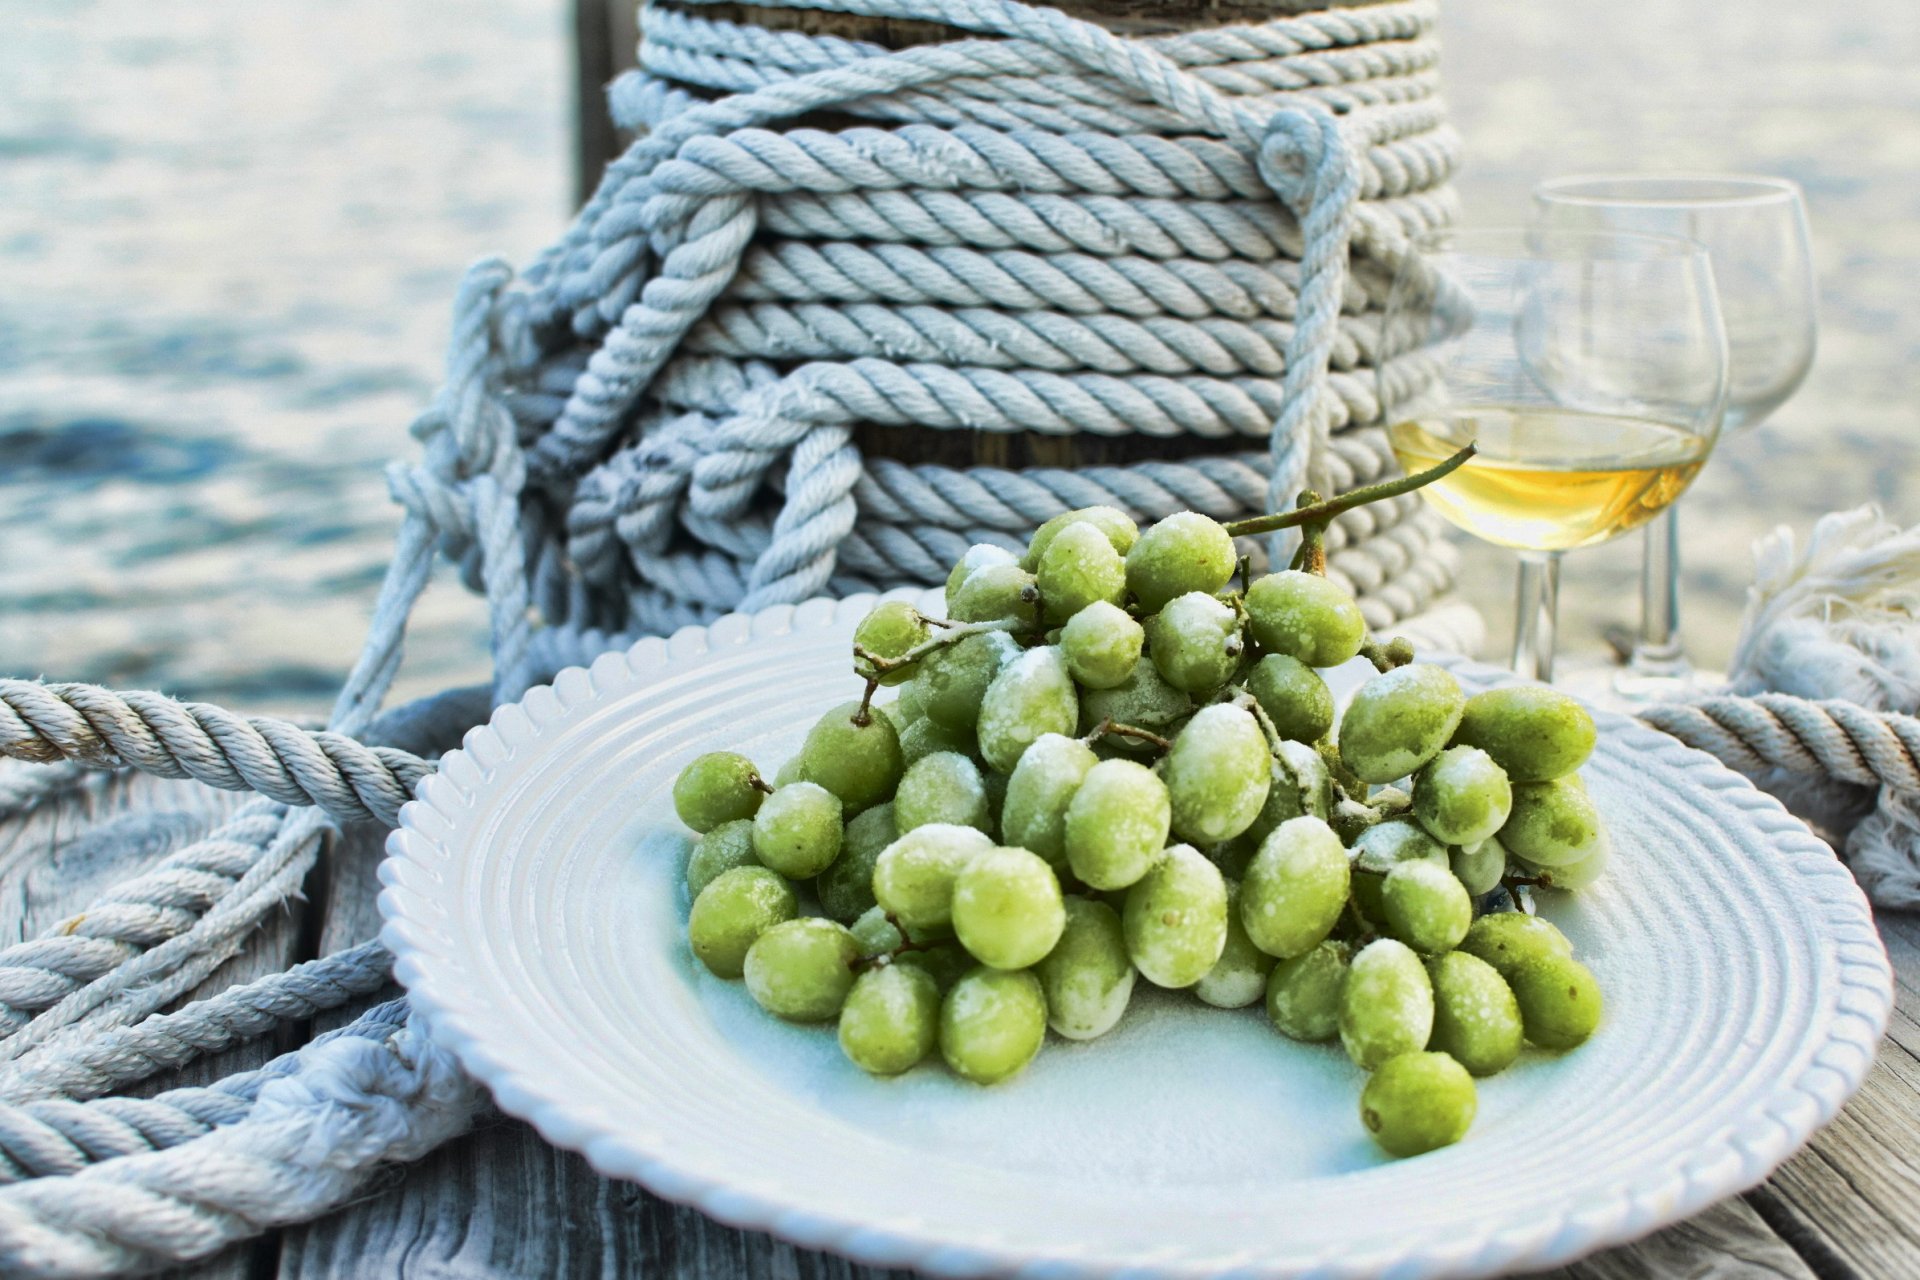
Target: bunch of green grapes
[{"x": 1115, "y": 758}]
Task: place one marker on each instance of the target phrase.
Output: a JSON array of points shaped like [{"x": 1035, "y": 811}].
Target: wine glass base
[{"x": 1625, "y": 690}]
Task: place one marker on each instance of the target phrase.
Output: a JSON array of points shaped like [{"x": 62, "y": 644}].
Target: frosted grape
[
  {"x": 1007, "y": 910},
  {"x": 715, "y": 788},
  {"x": 1039, "y": 790},
  {"x": 1475, "y": 1017},
  {"x": 1418, "y": 1102},
  {"x": 1479, "y": 867},
  {"x": 1303, "y": 994},
  {"x": 997, "y": 592},
  {"x": 1217, "y": 772},
  {"x": 1382, "y": 847},
  {"x": 1306, "y": 617},
  {"x": 943, "y": 787},
  {"x": 992, "y": 1023},
  {"x": 731, "y": 912},
  {"x": 1577, "y": 875},
  {"x": 727, "y": 846},
  {"x": 980, "y": 555},
  {"x": 893, "y": 628},
  {"x": 1143, "y": 700},
  {"x": 1552, "y": 824},
  {"x": 1184, "y": 552},
  {"x": 1088, "y": 977},
  {"x": 1558, "y": 997},
  {"x": 922, "y": 737},
  {"x": 1239, "y": 977},
  {"x": 1386, "y": 1004},
  {"x": 1294, "y": 697},
  {"x": 1461, "y": 796},
  {"x": 797, "y": 831},
  {"x": 1116, "y": 824},
  {"x": 877, "y": 935},
  {"x": 1119, "y": 528},
  {"x": 1194, "y": 642},
  {"x": 956, "y": 677},
  {"x": 1079, "y": 568},
  {"x": 1102, "y": 645},
  {"x": 845, "y": 889},
  {"x": 1534, "y": 733},
  {"x": 1399, "y": 720},
  {"x": 859, "y": 762},
  {"x": 801, "y": 970},
  {"x": 1295, "y": 888},
  {"x": 1031, "y": 696},
  {"x": 1508, "y": 939},
  {"x": 1425, "y": 907},
  {"x": 1176, "y": 919},
  {"x": 891, "y": 1019},
  {"x": 914, "y": 876}
]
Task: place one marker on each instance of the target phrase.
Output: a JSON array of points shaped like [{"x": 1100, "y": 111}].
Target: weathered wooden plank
[
  {"x": 58, "y": 858},
  {"x": 1727, "y": 1242}
]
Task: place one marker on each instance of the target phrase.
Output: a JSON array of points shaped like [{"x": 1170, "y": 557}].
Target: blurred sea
[{"x": 230, "y": 233}]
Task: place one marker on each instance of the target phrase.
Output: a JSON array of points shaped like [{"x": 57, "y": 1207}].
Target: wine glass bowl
[{"x": 1587, "y": 367}]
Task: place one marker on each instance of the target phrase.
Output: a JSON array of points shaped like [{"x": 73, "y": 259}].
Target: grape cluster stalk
[{"x": 1115, "y": 758}]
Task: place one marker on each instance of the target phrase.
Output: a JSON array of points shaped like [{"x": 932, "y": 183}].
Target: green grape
[
  {"x": 1508, "y": 940},
  {"x": 1571, "y": 876},
  {"x": 1143, "y": 700},
  {"x": 1079, "y": 568},
  {"x": 794, "y": 770},
  {"x": 1425, "y": 907},
  {"x": 1461, "y": 796},
  {"x": 845, "y": 889},
  {"x": 1558, "y": 997},
  {"x": 731, "y": 912},
  {"x": 911, "y": 703},
  {"x": 1239, "y": 977},
  {"x": 1535, "y": 733},
  {"x": 797, "y": 831},
  {"x": 1475, "y": 1017},
  {"x": 1303, "y": 994},
  {"x": 1300, "y": 787},
  {"x": 1175, "y": 919},
  {"x": 727, "y": 846},
  {"x": 992, "y": 1023},
  {"x": 893, "y": 628},
  {"x": 1306, "y": 617},
  {"x": 956, "y": 677},
  {"x": 877, "y": 935},
  {"x": 1399, "y": 720},
  {"x": 1480, "y": 866},
  {"x": 981, "y": 555},
  {"x": 1194, "y": 642},
  {"x": 1296, "y": 888},
  {"x": 1121, "y": 532},
  {"x": 995, "y": 592},
  {"x": 860, "y": 763},
  {"x": 1184, "y": 552},
  {"x": 1116, "y": 824},
  {"x": 1007, "y": 910},
  {"x": 715, "y": 788},
  {"x": 1039, "y": 790},
  {"x": 923, "y": 737},
  {"x": 1552, "y": 824},
  {"x": 946, "y": 962},
  {"x": 1033, "y": 695},
  {"x": 801, "y": 970},
  {"x": 1218, "y": 773},
  {"x": 914, "y": 877},
  {"x": 1386, "y": 1004},
  {"x": 943, "y": 787},
  {"x": 1418, "y": 1102},
  {"x": 1294, "y": 697},
  {"x": 891, "y": 1019},
  {"x": 1087, "y": 977},
  {"x": 1382, "y": 847},
  {"x": 1102, "y": 645}
]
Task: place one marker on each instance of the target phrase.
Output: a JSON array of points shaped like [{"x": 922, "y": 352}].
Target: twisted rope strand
[{"x": 1840, "y": 740}]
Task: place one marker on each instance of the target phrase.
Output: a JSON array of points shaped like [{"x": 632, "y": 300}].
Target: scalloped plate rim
[{"x": 1742, "y": 1159}]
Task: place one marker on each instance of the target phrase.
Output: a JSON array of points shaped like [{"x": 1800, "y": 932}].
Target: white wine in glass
[{"x": 1589, "y": 370}]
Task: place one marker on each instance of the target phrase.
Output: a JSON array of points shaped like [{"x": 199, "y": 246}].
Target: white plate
[{"x": 535, "y": 904}]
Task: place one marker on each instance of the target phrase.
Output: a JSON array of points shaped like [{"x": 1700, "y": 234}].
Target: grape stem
[
  {"x": 864, "y": 716},
  {"x": 1322, "y": 513},
  {"x": 1363, "y": 932},
  {"x": 954, "y": 634},
  {"x": 760, "y": 784},
  {"x": 1114, "y": 727},
  {"x": 1312, "y": 554},
  {"x": 1246, "y": 701}
]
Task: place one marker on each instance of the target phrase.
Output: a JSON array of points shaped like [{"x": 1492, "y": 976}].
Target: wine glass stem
[
  {"x": 1536, "y": 614},
  {"x": 1659, "y": 652}
]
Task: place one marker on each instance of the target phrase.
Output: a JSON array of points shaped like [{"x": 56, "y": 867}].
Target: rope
[{"x": 1828, "y": 739}]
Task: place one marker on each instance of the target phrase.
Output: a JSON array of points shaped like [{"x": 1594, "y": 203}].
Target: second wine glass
[{"x": 1589, "y": 368}]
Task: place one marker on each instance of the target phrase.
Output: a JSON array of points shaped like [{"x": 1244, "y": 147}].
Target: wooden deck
[{"x": 500, "y": 1202}]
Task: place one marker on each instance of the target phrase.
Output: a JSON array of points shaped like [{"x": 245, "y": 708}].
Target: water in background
[{"x": 230, "y": 233}]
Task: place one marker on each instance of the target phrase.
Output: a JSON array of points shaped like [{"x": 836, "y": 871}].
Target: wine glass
[
  {"x": 1590, "y": 369},
  {"x": 1755, "y": 231}
]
